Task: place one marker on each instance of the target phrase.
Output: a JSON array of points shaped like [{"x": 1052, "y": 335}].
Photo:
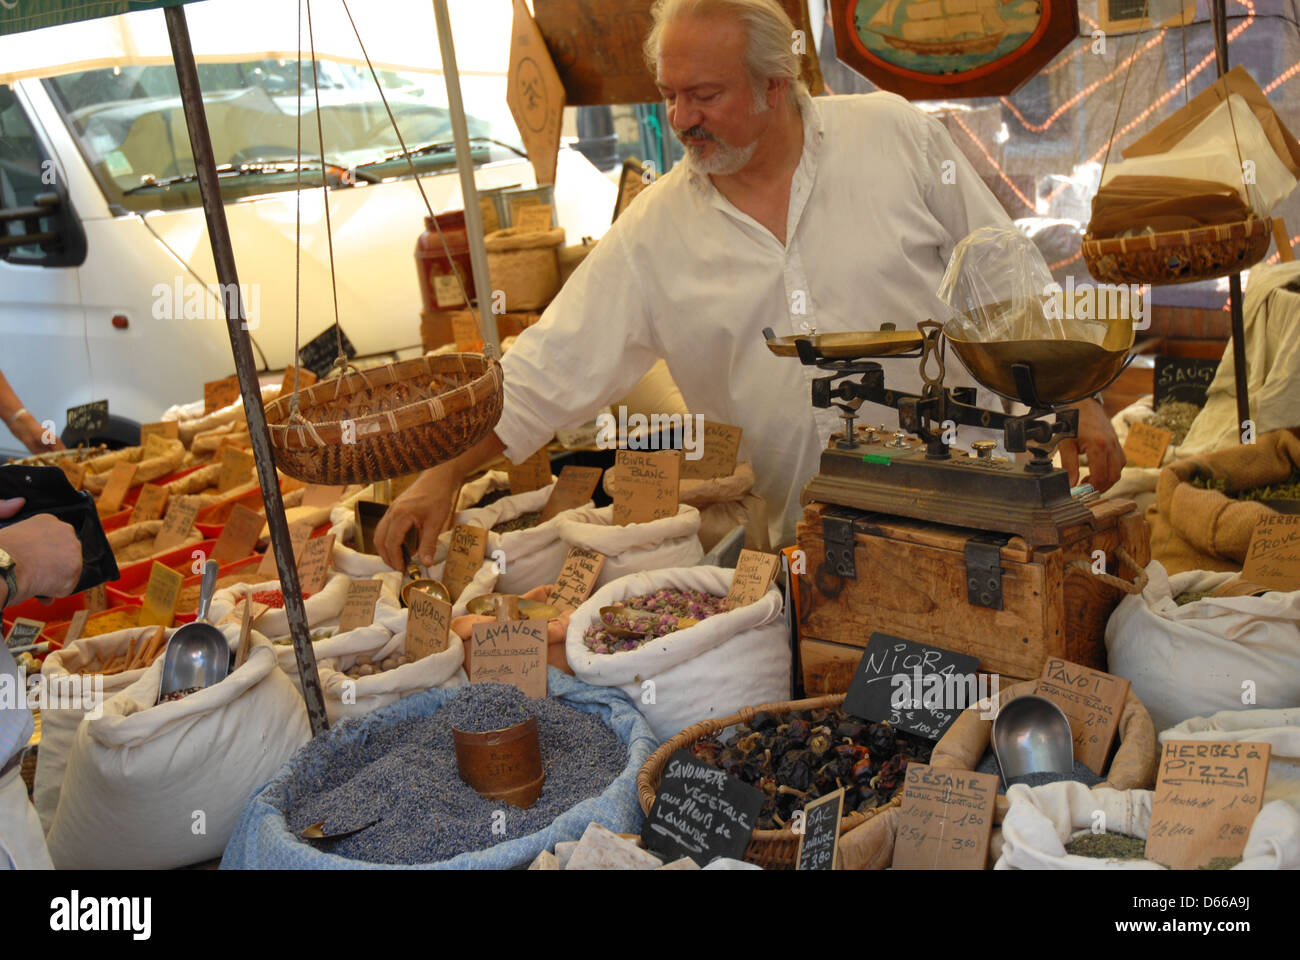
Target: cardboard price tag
[
  {"x": 577, "y": 578},
  {"x": 908, "y": 684},
  {"x": 510, "y": 651},
  {"x": 819, "y": 844},
  {"x": 464, "y": 556},
  {"x": 298, "y": 534},
  {"x": 751, "y": 578},
  {"x": 534, "y": 218},
  {"x": 150, "y": 504},
  {"x": 305, "y": 379},
  {"x": 700, "y": 812},
  {"x": 1145, "y": 445},
  {"x": 177, "y": 523},
  {"x": 160, "y": 597},
  {"x": 647, "y": 486},
  {"x": 487, "y": 210},
  {"x": 24, "y": 633},
  {"x": 245, "y": 603},
  {"x": 946, "y": 820},
  {"x": 97, "y": 598},
  {"x": 1092, "y": 701},
  {"x": 1273, "y": 556},
  {"x": 318, "y": 495},
  {"x": 154, "y": 446},
  {"x": 239, "y": 536},
  {"x": 359, "y": 604},
  {"x": 75, "y": 472},
  {"x": 428, "y": 627},
  {"x": 573, "y": 489},
  {"x": 1207, "y": 795},
  {"x": 167, "y": 429},
  {"x": 718, "y": 450},
  {"x": 116, "y": 487},
  {"x": 77, "y": 625},
  {"x": 220, "y": 393},
  {"x": 236, "y": 465},
  {"x": 313, "y": 561},
  {"x": 533, "y": 474}
]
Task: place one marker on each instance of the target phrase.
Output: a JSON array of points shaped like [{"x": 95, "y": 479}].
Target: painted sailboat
[{"x": 940, "y": 28}]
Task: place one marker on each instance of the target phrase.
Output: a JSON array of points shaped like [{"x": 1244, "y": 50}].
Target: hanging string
[
  {"x": 325, "y": 188},
  {"x": 1187, "y": 81},
  {"x": 1115, "y": 124},
  {"x": 297, "y": 230}
]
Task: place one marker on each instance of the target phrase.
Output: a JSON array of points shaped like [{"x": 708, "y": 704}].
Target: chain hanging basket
[
  {"x": 1179, "y": 256},
  {"x": 396, "y": 419}
]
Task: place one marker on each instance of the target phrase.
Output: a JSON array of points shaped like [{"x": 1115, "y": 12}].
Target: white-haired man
[{"x": 834, "y": 214}]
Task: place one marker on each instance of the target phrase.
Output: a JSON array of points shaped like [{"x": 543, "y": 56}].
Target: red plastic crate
[
  {"x": 55, "y": 632},
  {"x": 135, "y": 575}
]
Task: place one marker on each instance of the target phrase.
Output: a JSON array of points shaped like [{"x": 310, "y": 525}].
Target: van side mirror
[{"x": 61, "y": 244}]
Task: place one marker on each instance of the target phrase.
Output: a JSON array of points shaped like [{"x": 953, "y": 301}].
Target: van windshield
[{"x": 130, "y": 126}]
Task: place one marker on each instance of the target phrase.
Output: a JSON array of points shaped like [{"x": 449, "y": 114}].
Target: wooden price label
[
  {"x": 1273, "y": 556},
  {"x": 75, "y": 472},
  {"x": 239, "y": 536},
  {"x": 753, "y": 575},
  {"x": 220, "y": 393},
  {"x": 178, "y": 523},
  {"x": 719, "y": 447},
  {"x": 464, "y": 556},
  {"x": 1092, "y": 701},
  {"x": 573, "y": 489},
  {"x": 236, "y": 465},
  {"x": 359, "y": 604},
  {"x": 428, "y": 625},
  {"x": 24, "y": 633},
  {"x": 532, "y": 474},
  {"x": 150, "y": 504},
  {"x": 819, "y": 843},
  {"x": 305, "y": 379},
  {"x": 298, "y": 535},
  {"x": 1207, "y": 795},
  {"x": 647, "y": 486},
  {"x": 313, "y": 560},
  {"x": 116, "y": 487},
  {"x": 167, "y": 429},
  {"x": 318, "y": 495},
  {"x": 155, "y": 446},
  {"x": 534, "y": 218},
  {"x": 77, "y": 625},
  {"x": 577, "y": 578},
  {"x": 510, "y": 651},
  {"x": 97, "y": 598},
  {"x": 1145, "y": 445},
  {"x": 160, "y": 596},
  {"x": 465, "y": 331},
  {"x": 946, "y": 820}
]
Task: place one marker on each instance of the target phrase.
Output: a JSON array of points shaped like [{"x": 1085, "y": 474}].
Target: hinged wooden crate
[{"x": 1010, "y": 604}]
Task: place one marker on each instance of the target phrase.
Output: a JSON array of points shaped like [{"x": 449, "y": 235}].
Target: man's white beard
[{"x": 724, "y": 161}]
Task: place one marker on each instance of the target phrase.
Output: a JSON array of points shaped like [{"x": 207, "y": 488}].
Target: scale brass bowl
[
  {"x": 1065, "y": 371},
  {"x": 485, "y": 606},
  {"x": 848, "y": 346},
  {"x": 433, "y": 588}
]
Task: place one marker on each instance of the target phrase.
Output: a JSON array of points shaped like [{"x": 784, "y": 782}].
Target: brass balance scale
[{"x": 929, "y": 479}]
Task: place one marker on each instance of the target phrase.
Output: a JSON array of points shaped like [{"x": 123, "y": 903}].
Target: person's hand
[
  {"x": 427, "y": 506},
  {"x": 46, "y": 551},
  {"x": 31, "y": 435},
  {"x": 1098, "y": 442}
]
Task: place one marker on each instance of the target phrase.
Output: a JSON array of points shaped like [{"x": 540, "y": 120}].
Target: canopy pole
[
  {"x": 222, "y": 254},
  {"x": 468, "y": 189}
]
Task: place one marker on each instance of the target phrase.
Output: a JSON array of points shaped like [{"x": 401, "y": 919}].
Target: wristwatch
[{"x": 9, "y": 570}]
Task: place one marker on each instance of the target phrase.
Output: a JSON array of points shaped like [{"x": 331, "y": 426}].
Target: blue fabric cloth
[{"x": 261, "y": 840}]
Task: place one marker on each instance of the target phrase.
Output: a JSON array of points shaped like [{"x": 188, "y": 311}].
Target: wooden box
[{"x": 911, "y": 582}]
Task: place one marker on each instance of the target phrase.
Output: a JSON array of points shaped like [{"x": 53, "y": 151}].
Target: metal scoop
[
  {"x": 625, "y": 630},
  {"x": 1032, "y": 735},
  {"x": 317, "y": 831},
  {"x": 197, "y": 654}
]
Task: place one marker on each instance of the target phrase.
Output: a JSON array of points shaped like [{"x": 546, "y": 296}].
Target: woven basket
[
  {"x": 1179, "y": 256},
  {"x": 395, "y": 419},
  {"x": 770, "y": 849},
  {"x": 525, "y": 266}
]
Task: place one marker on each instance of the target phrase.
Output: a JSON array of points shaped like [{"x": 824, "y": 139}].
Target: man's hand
[
  {"x": 1098, "y": 442},
  {"x": 46, "y": 551},
  {"x": 427, "y": 506}
]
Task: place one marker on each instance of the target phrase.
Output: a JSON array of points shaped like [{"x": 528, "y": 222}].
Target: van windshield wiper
[
  {"x": 437, "y": 146},
  {"x": 249, "y": 168}
]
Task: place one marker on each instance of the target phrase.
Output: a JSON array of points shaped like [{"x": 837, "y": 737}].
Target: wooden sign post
[{"x": 535, "y": 94}]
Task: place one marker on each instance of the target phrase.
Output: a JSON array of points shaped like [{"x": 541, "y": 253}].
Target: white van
[{"x": 113, "y": 295}]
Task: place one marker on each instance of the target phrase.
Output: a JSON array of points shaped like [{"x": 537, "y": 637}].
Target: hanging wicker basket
[
  {"x": 1179, "y": 256},
  {"x": 770, "y": 849},
  {"x": 396, "y": 419}
]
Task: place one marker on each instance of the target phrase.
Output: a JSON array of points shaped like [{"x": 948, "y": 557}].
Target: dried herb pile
[
  {"x": 1288, "y": 489},
  {"x": 1176, "y": 417}
]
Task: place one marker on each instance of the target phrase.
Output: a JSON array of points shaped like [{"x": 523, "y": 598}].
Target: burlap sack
[
  {"x": 1195, "y": 529},
  {"x": 1133, "y": 767},
  {"x": 870, "y": 846}
]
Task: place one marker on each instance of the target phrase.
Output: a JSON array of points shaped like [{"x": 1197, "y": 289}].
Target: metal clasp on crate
[
  {"x": 984, "y": 570},
  {"x": 838, "y": 534}
]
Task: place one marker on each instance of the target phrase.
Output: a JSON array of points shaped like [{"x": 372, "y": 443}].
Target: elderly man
[{"x": 831, "y": 215}]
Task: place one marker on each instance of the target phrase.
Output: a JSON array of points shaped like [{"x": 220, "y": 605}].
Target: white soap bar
[
  {"x": 685, "y": 863},
  {"x": 545, "y": 861},
  {"x": 601, "y": 849},
  {"x": 563, "y": 851}
]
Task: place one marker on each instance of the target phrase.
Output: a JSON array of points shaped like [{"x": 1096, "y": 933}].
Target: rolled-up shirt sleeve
[{"x": 591, "y": 346}]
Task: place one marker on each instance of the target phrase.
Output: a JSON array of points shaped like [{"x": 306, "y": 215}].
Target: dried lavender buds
[{"x": 652, "y": 616}]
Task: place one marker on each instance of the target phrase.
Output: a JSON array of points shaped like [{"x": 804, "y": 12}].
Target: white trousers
[{"x": 22, "y": 843}]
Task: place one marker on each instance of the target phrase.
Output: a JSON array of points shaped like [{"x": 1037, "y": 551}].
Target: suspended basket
[
  {"x": 1179, "y": 256},
  {"x": 396, "y": 419}
]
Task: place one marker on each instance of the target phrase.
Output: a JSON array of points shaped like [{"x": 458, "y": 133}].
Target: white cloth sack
[
  {"x": 1136, "y": 483},
  {"x": 728, "y": 661},
  {"x": 1198, "y": 659},
  {"x": 346, "y": 559},
  {"x": 1042, "y": 819},
  {"x": 1280, "y": 729},
  {"x": 671, "y": 542},
  {"x": 346, "y": 697},
  {"x": 322, "y": 607},
  {"x": 22, "y": 843},
  {"x": 61, "y": 715},
  {"x": 531, "y": 557},
  {"x": 156, "y": 787}
]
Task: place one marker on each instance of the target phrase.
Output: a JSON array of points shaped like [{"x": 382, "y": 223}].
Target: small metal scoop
[
  {"x": 624, "y": 630},
  {"x": 197, "y": 654},
  {"x": 1032, "y": 735},
  {"x": 317, "y": 831}
]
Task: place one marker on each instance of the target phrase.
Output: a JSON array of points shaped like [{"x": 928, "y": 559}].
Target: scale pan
[{"x": 850, "y": 346}]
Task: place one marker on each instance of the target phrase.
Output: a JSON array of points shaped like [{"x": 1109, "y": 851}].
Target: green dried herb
[
  {"x": 1176, "y": 417},
  {"x": 522, "y": 522},
  {"x": 1191, "y": 596},
  {"x": 1107, "y": 846},
  {"x": 1221, "y": 863},
  {"x": 1287, "y": 490}
]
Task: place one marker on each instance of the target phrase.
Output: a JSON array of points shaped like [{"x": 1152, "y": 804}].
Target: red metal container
[{"x": 438, "y": 287}]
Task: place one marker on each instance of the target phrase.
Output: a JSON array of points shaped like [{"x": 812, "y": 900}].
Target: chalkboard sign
[
  {"x": 318, "y": 355},
  {"x": 89, "y": 418},
  {"x": 819, "y": 843},
  {"x": 700, "y": 812},
  {"x": 1183, "y": 379},
  {"x": 916, "y": 687}
]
